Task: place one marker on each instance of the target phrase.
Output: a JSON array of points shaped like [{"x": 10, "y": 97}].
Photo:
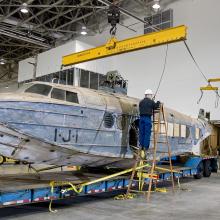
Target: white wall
[
  {"x": 51, "y": 60},
  {"x": 180, "y": 87},
  {"x": 26, "y": 69}
]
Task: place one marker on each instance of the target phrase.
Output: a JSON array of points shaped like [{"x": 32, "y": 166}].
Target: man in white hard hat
[{"x": 146, "y": 109}]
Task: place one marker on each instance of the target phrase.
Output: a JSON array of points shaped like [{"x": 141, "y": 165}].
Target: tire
[
  {"x": 214, "y": 165},
  {"x": 200, "y": 169},
  {"x": 207, "y": 168},
  {"x": 2, "y": 159}
]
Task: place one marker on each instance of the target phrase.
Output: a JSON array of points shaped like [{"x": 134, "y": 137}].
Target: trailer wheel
[
  {"x": 200, "y": 169},
  {"x": 207, "y": 168},
  {"x": 214, "y": 165},
  {"x": 2, "y": 159}
]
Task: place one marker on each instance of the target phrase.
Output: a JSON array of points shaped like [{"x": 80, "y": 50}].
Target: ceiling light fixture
[
  {"x": 83, "y": 31},
  {"x": 2, "y": 61},
  {"x": 24, "y": 8},
  {"x": 27, "y": 39},
  {"x": 156, "y": 5}
]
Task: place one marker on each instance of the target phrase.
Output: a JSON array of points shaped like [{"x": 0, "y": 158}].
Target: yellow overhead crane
[
  {"x": 114, "y": 47},
  {"x": 209, "y": 87}
]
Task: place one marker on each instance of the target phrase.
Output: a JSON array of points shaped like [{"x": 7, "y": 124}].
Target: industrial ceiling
[{"x": 30, "y": 27}]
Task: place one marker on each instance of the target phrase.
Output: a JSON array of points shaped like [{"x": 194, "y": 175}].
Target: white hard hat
[{"x": 148, "y": 92}]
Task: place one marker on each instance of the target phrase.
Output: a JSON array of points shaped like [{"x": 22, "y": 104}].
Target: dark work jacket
[{"x": 146, "y": 107}]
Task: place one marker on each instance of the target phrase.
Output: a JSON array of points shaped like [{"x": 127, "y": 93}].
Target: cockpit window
[
  {"x": 40, "y": 89},
  {"x": 71, "y": 97},
  {"x": 64, "y": 95},
  {"x": 58, "y": 94}
]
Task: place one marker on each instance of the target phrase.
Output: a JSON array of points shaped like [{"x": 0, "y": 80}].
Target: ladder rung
[
  {"x": 137, "y": 191},
  {"x": 159, "y": 132},
  {"x": 161, "y": 122}
]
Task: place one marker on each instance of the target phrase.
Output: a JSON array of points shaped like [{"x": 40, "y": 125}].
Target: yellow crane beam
[
  {"x": 114, "y": 47},
  {"x": 214, "y": 80},
  {"x": 209, "y": 88}
]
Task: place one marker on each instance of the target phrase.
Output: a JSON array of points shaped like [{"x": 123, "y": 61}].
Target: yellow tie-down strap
[
  {"x": 78, "y": 188},
  {"x": 147, "y": 175}
]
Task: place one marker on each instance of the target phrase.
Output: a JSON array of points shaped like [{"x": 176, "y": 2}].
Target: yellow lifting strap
[{"x": 114, "y": 47}]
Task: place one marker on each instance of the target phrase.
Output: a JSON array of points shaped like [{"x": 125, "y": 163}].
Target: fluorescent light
[
  {"x": 83, "y": 31},
  {"x": 24, "y": 8},
  {"x": 156, "y": 5},
  {"x": 2, "y": 61},
  {"x": 27, "y": 39}
]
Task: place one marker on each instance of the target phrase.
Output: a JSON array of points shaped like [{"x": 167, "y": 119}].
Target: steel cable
[
  {"x": 202, "y": 73},
  {"x": 164, "y": 68}
]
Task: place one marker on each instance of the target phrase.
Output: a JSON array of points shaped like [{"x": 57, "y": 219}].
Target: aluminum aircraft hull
[{"x": 40, "y": 130}]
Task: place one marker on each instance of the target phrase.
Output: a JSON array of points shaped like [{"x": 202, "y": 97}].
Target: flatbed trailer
[{"x": 19, "y": 189}]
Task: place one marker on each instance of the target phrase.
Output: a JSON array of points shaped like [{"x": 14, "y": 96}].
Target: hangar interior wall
[{"x": 51, "y": 60}]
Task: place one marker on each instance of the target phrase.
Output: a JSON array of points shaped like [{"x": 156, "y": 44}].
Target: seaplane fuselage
[{"x": 61, "y": 125}]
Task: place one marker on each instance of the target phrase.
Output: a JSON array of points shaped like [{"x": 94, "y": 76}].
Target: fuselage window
[
  {"x": 58, "y": 94},
  {"x": 163, "y": 128},
  {"x": 187, "y": 131},
  {"x": 40, "y": 89},
  {"x": 197, "y": 133},
  {"x": 176, "y": 130},
  {"x": 64, "y": 95},
  {"x": 71, "y": 97},
  {"x": 183, "y": 131},
  {"x": 170, "y": 129}
]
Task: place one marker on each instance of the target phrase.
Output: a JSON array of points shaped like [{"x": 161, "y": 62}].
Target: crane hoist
[
  {"x": 209, "y": 87},
  {"x": 114, "y": 47}
]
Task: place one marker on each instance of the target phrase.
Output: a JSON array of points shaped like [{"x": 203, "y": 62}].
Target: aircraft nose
[{"x": 9, "y": 103}]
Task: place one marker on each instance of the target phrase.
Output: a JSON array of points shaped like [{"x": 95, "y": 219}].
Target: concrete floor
[{"x": 200, "y": 200}]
